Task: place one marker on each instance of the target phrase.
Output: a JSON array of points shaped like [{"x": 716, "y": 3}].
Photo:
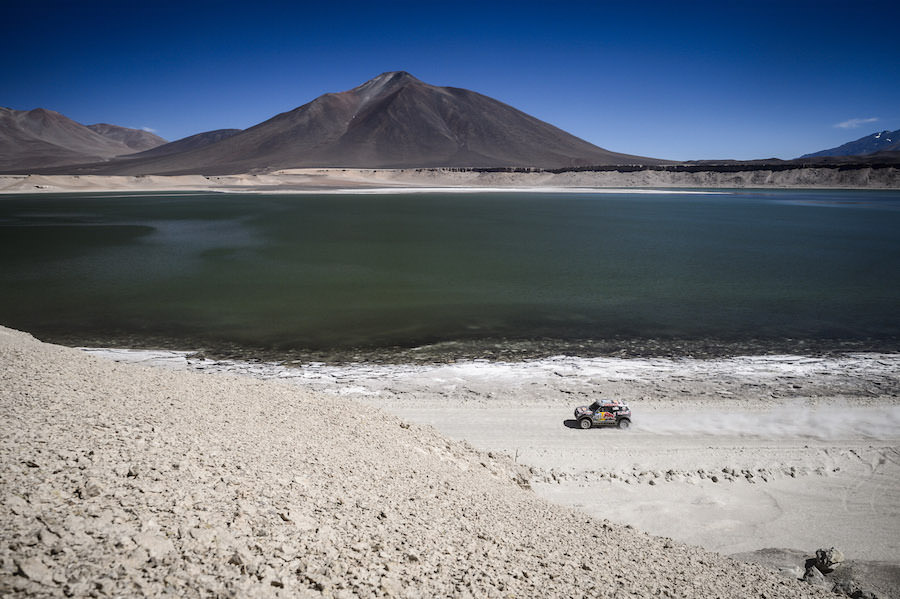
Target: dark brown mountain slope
[
  {"x": 137, "y": 140},
  {"x": 391, "y": 121},
  {"x": 185, "y": 144},
  {"x": 30, "y": 139}
]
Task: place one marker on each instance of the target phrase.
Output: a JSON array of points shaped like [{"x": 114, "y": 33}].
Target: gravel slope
[
  {"x": 124, "y": 480},
  {"x": 731, "y": 454}
]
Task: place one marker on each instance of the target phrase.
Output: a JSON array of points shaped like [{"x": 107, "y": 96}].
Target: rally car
[{"x": 603, "y": 413}]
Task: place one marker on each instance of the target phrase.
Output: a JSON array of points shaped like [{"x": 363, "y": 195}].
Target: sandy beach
[
  {"x": 150, "y": 478},
  {"x": 337, "y": 180}
]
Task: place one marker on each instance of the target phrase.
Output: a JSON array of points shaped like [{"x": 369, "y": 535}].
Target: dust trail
[{"x": 831, "y": 421}]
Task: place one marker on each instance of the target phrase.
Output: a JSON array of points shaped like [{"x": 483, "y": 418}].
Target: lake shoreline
[
  {"x": 124, "y": 473},
  {"x": 433, "y": 278},
  {"x": 731, "y": 454},
  {"x": 489, "y": 350},
  {"x": 337, "y": 180}
]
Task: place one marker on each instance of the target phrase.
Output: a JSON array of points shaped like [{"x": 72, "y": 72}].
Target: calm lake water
[{"x": 350, "y": 273}]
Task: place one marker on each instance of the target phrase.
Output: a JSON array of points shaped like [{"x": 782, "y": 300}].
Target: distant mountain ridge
[
  {"x": 185, "y": 144},
  {"x": 40, "y": 137},
  {"x": 883, "y": 141},
  {"x": 136, "y": 139},
  {"x": 391, "y": 121}
]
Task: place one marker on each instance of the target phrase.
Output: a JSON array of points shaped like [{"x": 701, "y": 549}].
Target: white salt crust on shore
[
  {"x": 735, "y": 454},
  {"x": 123, "y": 480}
]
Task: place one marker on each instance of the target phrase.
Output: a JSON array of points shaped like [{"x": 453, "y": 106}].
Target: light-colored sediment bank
[
  {"x": 333, "y": 179},
  {"x": 123, "y": 479},
  {"x": 731, "y": 454}
]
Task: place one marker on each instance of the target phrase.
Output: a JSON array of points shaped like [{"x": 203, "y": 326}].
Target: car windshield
[{"x": 594, "y": 406}]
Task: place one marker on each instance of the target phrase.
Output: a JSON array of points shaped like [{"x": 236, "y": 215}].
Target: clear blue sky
[{"x": 678, "y": 80}]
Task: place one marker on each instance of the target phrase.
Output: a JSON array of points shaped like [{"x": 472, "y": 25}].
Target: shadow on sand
[{"x": 571, "y": 423}]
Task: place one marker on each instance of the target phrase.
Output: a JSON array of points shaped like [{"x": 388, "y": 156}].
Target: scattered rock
[
  {"x": 156, "y": 545},
  {"x": 136, "y": 558},
  {"x": 795, "y": 572},
  {"x": 814, "y": 577},
  {"x": 77, "y": 588},
  {"x": 828, "y": 559},
  {"x": 48, "y": 537},
  {"x": 391, "y": 586},
  {"x": 34, "y": 569},
  {"x": 17, "y": 505},
  {"x": 851, "y": 589},
  {"x": 91, "y": 488}
]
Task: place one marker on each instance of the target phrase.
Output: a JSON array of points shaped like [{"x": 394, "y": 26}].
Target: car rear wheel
[
  {"x": 585, "y": 423},
  {"x": 624, "y": 423}
]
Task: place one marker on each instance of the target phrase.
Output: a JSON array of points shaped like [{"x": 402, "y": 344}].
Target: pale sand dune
[{"x": 123, "y": 479}]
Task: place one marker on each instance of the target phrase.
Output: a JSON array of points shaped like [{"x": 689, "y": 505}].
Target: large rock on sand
[
  {"x": 815, "y": 577},
  {"x": 828, "y": 559}
]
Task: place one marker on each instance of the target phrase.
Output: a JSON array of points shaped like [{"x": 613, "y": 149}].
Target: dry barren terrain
[{"x": 123, "y": 479}]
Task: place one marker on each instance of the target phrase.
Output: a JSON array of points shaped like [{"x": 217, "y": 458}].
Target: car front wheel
[
  {"x": 624, "y": 423},
  {"x": 585, "y": 423}
]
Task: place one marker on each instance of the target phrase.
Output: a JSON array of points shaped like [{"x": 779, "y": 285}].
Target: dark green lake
[{"x": 349, "y": 273}]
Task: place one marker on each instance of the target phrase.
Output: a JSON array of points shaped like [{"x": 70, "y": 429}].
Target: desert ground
[
  {"x": 741, "y": 456},
  {"x": 321, "y": 180},
  {"x": 731, "y": 454},
  {"x": 135, "y": 479}
]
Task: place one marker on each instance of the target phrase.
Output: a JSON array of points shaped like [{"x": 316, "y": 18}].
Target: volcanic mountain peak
[
  {"x": 880, "y": 141},
  {"x": 383, "y": 84},
  {"x": 394, "y": 120},
  {"x": 349, "y": 103}
]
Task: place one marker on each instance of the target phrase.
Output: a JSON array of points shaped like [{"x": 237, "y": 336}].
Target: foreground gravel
[{"x": 125, "y": 480}]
